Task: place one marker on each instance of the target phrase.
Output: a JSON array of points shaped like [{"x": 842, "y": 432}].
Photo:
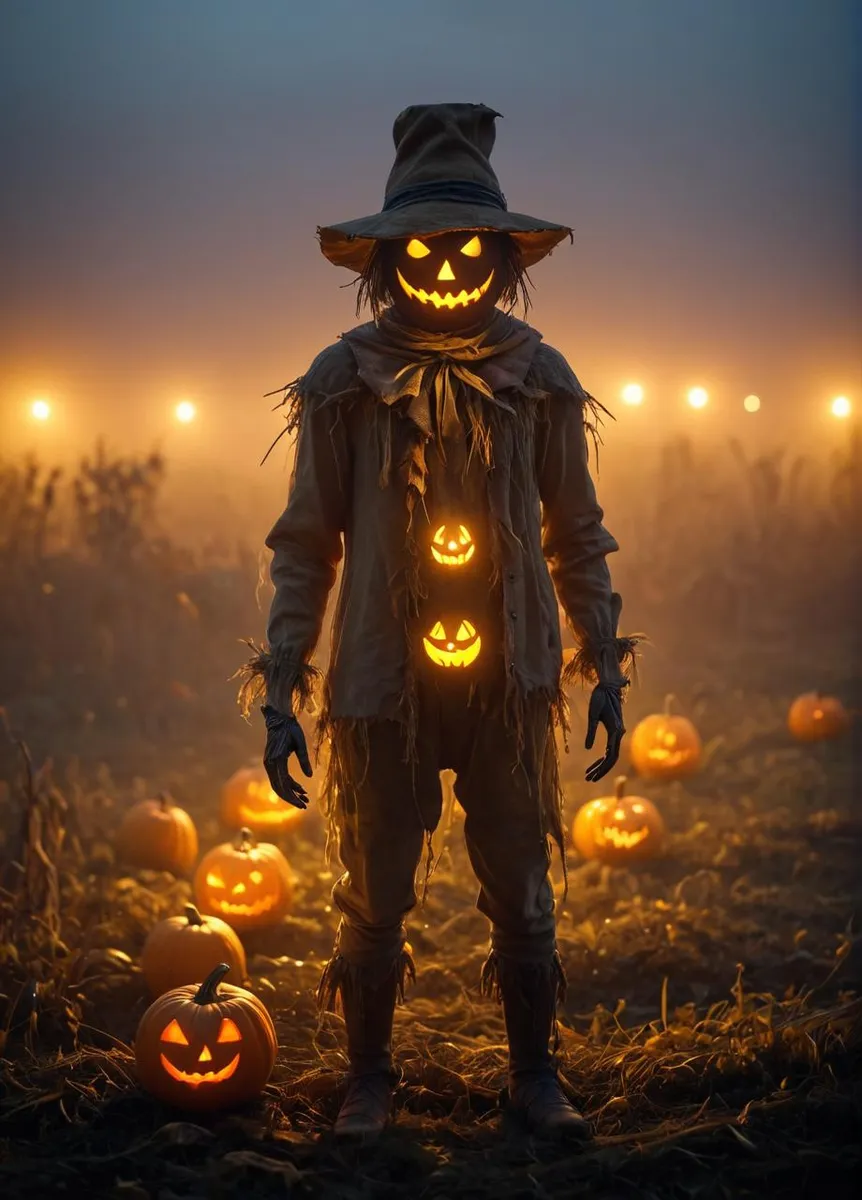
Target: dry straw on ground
[{"x": 712, "y": 1028}]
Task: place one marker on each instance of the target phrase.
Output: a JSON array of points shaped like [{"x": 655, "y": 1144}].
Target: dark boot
[
  {"x": 368, "y": 1000},
  {"x": 529, "y": 994}
]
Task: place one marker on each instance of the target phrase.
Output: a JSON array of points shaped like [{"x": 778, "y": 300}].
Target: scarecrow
[{"x": 442, "y": 452}]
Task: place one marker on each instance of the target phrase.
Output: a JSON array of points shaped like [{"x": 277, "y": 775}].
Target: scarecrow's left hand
[
  {"x": 284, "y": 737},
  {"x": 606, "y": 708}
]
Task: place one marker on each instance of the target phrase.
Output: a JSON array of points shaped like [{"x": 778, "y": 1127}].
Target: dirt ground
[{"x": 711, "y": 1032}]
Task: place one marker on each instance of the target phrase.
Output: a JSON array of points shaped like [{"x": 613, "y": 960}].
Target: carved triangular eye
[
  {"x": 465, "y": 632},
  {"x": 229, "y": 1032},
  {"x": 214, "y": 881},
  {"x": 417, "y": 249},
  {"x": 438, "y": 631},
  {"x": 473, "y": 248},
  {"x": 173, "y": 1033}
]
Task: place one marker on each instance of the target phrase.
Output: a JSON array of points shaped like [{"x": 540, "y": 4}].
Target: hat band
[{"x": 462, "y": 191}]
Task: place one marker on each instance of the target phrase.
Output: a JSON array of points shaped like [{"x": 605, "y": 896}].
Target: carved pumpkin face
[
  {"x": 208, "y": 1068},
  {"x": 446, "y": 280},
  {"x": 619, "y": 829},
  {"x": 201, "y": 1048},
  {"x": 452, "y": 546},
  {"x": 246, "y": 883},
  {"x": 814, "y": 717},
  {"x": 453, "y": 643},
  {"x": 664, "y": 746},
  {"x": 248, "y": 800}
]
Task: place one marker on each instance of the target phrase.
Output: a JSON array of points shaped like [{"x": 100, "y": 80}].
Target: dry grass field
[{"x": 713, "y": 1025}]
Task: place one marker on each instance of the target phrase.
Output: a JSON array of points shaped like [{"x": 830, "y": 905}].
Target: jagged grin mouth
[
  {"x": 448, "y": 301},
  {"x": 194, "y": 1078},
  {"x": 247, "y": 910}
]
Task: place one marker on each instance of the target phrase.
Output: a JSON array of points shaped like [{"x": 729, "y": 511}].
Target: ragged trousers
[{"x": 386, "y": 805}]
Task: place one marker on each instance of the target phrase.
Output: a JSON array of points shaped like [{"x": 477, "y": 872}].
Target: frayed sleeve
[
  {"x": 306, "y": 545},
  {"x": 574, "y": 540}
]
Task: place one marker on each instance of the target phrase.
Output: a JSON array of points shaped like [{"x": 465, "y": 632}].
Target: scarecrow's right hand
[{"x": 284, "y": 737}]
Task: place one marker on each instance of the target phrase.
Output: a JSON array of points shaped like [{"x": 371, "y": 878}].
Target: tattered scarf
[{"x": 396, "y": 360}]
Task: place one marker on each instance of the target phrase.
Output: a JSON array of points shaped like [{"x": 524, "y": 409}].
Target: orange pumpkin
[
  {"x": 619, "y": 829},
  {"x": 814, "y": 717},
  {"x": 158, "y": 834},
  {"x": 185, "y": 949},
  {"x": 201, "y": 1049},
  {"x": 665, "y": 746},
  {"x": 246, "y": 882},
  {"x": 248, "y": 800}
]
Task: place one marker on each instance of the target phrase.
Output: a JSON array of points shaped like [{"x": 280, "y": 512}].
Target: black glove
[
  {"x": 284, "y": 737},
  {"x": 606, "y": 707}
]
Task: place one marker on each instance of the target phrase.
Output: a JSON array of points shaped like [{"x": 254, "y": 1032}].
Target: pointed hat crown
[{"x": 441, "y": 179}]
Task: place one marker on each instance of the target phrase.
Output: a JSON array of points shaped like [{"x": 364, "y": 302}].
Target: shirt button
[{"x": 513, "y": 615}]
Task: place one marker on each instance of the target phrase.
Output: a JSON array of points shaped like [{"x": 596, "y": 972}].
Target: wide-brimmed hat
[{"x": 441, "y": 179}]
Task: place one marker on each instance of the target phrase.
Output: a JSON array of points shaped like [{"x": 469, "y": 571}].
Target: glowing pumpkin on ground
[
  {"x": 814, "y": 717},
  {"x": 453, "y": 643},
  {"x": 185, "y": 949},
  {"x": 248, "y": 800},
  {"x": 452, "y": 546},
  {"x": 158, "y": 834},
  {"x": 619, "y": 829},
  {"x": 665, "y": 746},
  {"x": 200, "y": 1048},
  {"x": 246, "y": 882}
]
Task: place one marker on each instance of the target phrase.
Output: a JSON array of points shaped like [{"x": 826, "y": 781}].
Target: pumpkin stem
[
  {"x": 620, "y": 786},
  {"x": 669, "y": 701},
  {"x": 207, "y": 993},
  {"x": 245, "y": 839},
  {"x": 193, "y": 915},
  {"x": 164, "y": 800}
]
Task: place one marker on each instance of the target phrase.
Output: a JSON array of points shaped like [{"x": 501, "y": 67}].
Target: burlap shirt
[{"x": 356, "y": 492}]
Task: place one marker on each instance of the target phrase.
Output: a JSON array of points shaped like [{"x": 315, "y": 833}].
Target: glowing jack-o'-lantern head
[
  {"x": 453, "y": 643},
  {"x": 665, "y": 746},
  {"x": 247, "y": 883},
  {"x": 446, "y": 280},
  {"x": 452, "y": 546},
  {"x": 618, "y": 829},
  {"x": 248, "y": 800},
  {"x": 814, "y": 717},
  {"x": 198, "y": 1047}
]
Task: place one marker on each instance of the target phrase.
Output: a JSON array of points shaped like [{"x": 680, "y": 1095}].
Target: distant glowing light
[
  {"x": 632, "y": 394},
  {"x": 698, "y": 397},
  {"x": 40, "y": 410},
  {"x": 751, "y": 403},
  {"x": 841, "y": 407},
  {"x": 185, "y": 412}
]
